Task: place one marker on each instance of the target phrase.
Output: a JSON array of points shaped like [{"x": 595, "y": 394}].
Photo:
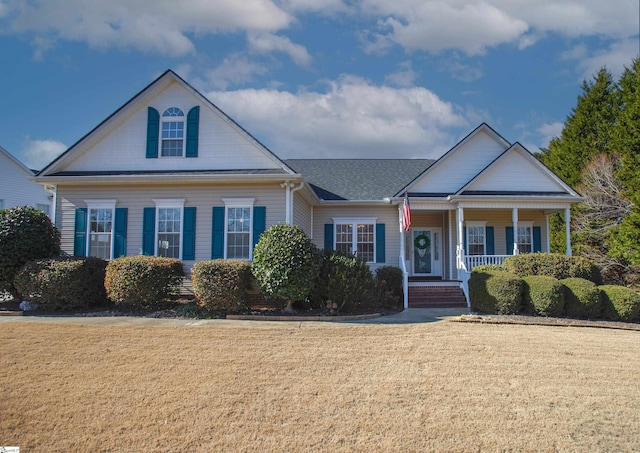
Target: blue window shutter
[
  {"x": 328, "y": 236},
  {"x": 464, "y": 238},
  {"x": 509, "y": 240},
  {"x": 153, "y": 132},
  {"x": 217, "y": 233},
  {"x": 189, "y": 234},
  {"x": 259, "y": 222},
  {"x": 193, "y": 118},
  {"x": 149, "y": 231},
  {"x": 537, "y": 239},
  {"x": 380, "y": 243},
  {"x": 491, "y": 250},
  {"x": 120, "y": 233},
  {"x": 80, "y": 237}
]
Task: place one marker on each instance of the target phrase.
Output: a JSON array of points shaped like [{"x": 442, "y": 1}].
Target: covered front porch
[{"x": 445, "y": 242}]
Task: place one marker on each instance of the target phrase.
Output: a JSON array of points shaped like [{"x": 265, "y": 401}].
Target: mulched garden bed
[{"x": 544, "y": 321}]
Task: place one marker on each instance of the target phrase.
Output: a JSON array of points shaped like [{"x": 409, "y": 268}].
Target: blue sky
[{"x": 312, "y": 78}]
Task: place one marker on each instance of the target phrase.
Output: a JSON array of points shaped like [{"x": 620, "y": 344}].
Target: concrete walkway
[{"x": 408, "y": 316}]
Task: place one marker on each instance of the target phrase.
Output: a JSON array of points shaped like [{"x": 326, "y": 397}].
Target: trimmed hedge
[
  {"x": 543, "y": 295},
  {"x": 26, "y": 234},
  {"x": 143, "y": 280},
  {"x": 581, "y": 298},
  {"x": 489, "y": 268},
  {"x": 553, "y": 265},
  {"x": 346, "y": 281},
  {"x": 495, "y": 292},
  {"x": 63, "y": 283},
  {"x": 389, "y": 286},
  {"x": 222, "y": 284},
  {"x": 619, "y": 303}
]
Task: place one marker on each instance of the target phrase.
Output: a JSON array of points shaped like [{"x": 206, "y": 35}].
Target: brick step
[{"x": 436, "y": 296}]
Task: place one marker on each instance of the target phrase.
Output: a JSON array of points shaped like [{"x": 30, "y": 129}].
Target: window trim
[
  {"x": 475, "y": 224},
  {"x": 172, "y": 119},
  {"x": 168, "y": 203},
  {"x": 354, "y": 222},
  {"x": 238, "y": 203},
  {"x": 524, "y": 224},
  {"x": 100, "y": 204}
]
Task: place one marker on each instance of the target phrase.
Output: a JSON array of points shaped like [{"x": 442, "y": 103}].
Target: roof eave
[{"x": 146, "y": 179}]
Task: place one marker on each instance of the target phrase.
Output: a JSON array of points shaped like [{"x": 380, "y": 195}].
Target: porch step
[{"x": 436, "y": 297}]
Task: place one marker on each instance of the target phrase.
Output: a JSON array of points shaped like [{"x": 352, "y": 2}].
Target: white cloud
[
  {"x": 36, "y": 154},
  {"x": 353, "y": 118},
  {"x": 404, "y": 76},
  {"x": 618, "y": 55},
  {"x": 459, "y": 70},
  {"x": 234, "y": 70},
  {"x": 549, "y": 131},
  {"x": 268, "y": 42},
  {"x": 146, "y": 25}
]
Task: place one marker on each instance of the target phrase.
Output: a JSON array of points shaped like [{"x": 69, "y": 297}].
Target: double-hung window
[
  {"x": 100, "y": 228},
  {"x": 525, "y": 237},
  {"x": 172, "y": 133},
  {"x": 238, "y": 227},
  {"x": 476, "y": 238},
  {"x": 356, "y": 236},
  {"x": 169, "y": 217}
]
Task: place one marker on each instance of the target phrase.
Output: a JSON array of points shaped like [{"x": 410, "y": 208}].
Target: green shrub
[
  {"x": 495, "y": 292},
  {"x": 619, "y": 303},
  {"x": 389, "y": 286},
  {"x": 143, "y": 280},
  {"x": 581, "y": 298},
  {"x": 553, "y": 265},
  {"x": 222, "y": 284},
  {"x": 347, "y": 281},
  {"x": 543, "y": 295},
  {"x": 285, "y": 264},
  {"x": 63, "y": 283},
  {"x": 26, "y": 234},
  {"x": 489, "y": 268}
]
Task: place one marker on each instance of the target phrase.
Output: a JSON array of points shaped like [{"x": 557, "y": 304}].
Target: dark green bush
[
  {"x": 495, "y": 292},
  {"x": 489, "y": 267},
  {"x": 543, "y": 295},
  {"x": 389, "y": 286},
  {"x": 143, "y": 280},
  {"x": 346, "y": 281},
  {"x": 222, "y": 284},
  {"x": 63, "y": 283},
  {"x": 619, "y": 303},
  {"x": 285, "y": 264},
  {"x": 581, "y": 298},
  {"x": 26, "y": 234},
  {"x": 553, "y": 265}
]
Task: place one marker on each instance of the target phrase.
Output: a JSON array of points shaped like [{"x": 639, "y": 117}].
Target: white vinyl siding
[
  {"x": 137, "y": 198},
  {"x": 302, "y": 213},
  {"x": 17, "y": 189}
]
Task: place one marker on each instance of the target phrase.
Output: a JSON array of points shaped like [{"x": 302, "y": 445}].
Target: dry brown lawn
[{"x": 319, "y": 387}]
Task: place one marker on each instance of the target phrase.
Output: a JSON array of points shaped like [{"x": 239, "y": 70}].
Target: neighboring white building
[{"x": 17, "y": 187}]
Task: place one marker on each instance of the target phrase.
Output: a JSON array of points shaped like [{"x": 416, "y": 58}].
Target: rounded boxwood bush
[
  {"x": 543, "y": 296},
  {"x": 619, "y": 303},
  {"x": 285, "y": 264},
  {"x": 581, "y": 298},
  {"x": 26, "y": 234},
  {"x": 143, "y": 280},
  {"x": 495, "y": 292},
  {"x": 553, "y": 265},
  {"x": 489, "y": 268},
  {"x": 63, "y": 283},
  {"x": 221, "y": 284}
]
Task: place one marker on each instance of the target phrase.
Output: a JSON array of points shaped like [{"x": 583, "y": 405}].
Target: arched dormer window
[{"x": 172, "y": 133}]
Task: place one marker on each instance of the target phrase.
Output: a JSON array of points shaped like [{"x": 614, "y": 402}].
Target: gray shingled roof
[{"x": 358, "y": 179}]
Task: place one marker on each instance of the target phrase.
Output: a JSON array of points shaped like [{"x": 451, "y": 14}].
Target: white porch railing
[
  {"x": 405, "y": 282},
  {"x": 472, "y": 261}
]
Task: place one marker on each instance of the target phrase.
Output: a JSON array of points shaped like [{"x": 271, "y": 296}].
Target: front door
[{"x": 427, "y": 251}]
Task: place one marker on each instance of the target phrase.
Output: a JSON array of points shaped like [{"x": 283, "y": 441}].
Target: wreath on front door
[{"x": 422, "y": 242}]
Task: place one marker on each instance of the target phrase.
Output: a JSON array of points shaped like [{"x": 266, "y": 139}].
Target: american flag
[{"x": 406, "y": 216}]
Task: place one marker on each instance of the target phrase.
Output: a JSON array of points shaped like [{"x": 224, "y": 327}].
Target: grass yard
[{"x": 441, "y": 386}]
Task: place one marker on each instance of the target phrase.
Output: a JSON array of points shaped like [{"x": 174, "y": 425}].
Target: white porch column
[
  {"x": 460, "y": 248},
  {"x": 548, "y": 241},
  {"x": 567, "y": 229},
  {"x": 514, "y": 219}
]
